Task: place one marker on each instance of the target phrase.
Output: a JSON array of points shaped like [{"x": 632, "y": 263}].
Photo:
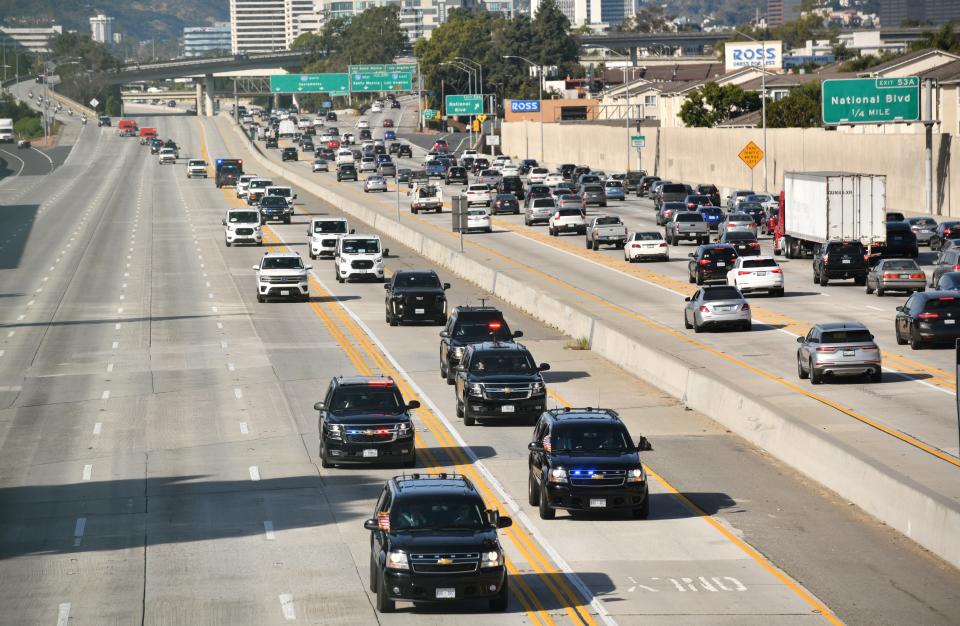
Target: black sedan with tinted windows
[
  {"x": 505, "y": 203},
  {"x": 743, "y": 241}
]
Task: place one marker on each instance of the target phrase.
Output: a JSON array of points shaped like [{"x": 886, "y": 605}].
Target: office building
[
  {"x": 200, "y": 41},
  {"x": 33, "y": 39},
  {"x": 101, "y": 29},
  {"x": 893, "y": 13},
  {"x": 587, "y": 12},
  {"x": 781, "y": 11},
  {"x": 270, "y": 25}
]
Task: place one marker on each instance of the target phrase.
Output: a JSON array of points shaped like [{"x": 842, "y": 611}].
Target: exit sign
[{"x": 871, "y": 100}]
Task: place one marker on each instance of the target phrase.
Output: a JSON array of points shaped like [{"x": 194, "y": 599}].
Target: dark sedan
[
  {"x": 505, "y": 203},
  {"x": 928, "y": 318}
]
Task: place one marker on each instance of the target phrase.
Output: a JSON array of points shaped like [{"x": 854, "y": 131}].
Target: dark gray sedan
[{"x": 896, "y": 275}]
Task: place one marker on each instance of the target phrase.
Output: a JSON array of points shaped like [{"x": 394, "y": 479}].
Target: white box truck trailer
[{"x": 6, "y": 130}]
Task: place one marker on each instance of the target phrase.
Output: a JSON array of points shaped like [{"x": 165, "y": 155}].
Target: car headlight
[
  {"x": 491, "y": 559},
  {"x": 397, "y": 560},
  {"x": 636, "y": 475},
  {"x": 557, "y": 475},
  {"x": 378, "y": 260},
  {"x": 537, "y": 388},
  {"x": 257, "y": 227},
  {"x": 335, "y": 431},
  {"x": 457, "y": 352},
  {"x": 230, "y": 227},
  {"x": 475, "y": 390},
  {"x": 404, "y": 429}
]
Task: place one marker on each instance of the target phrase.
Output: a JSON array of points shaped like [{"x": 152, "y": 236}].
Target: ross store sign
[{"x": 740, "y": 54}]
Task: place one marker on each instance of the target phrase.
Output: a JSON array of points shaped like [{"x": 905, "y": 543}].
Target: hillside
[{"x": 138, "y": 19}]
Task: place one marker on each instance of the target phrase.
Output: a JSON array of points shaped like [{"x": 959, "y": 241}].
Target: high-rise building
[
  {"x": 202, "y": 40},
  {"x": 585, "y": 12},
  {"x": 101, "y": 29},
  {"x": 893, "y": 13},
  {"x": 268, "y": 25},
  {"x": 33, "y": 39},
  {"x": 781, "y": 11}
]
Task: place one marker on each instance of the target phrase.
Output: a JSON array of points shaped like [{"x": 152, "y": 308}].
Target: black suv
[
  {"x": 901, "y": 242},
  {"x": 346, "y": 172},
  {"x": 840, "y": 260},
  {"x": 415, "y": 296},
  {"x": 468, "y": 325},
  {"x": 711, "y": 262},
  {"x": 501, "y": 381},
  {"x": 928, "y": 318},
  {"x": 585, "y": 460},
  {"x": 511, "y": 184},
  {"x": 457, "y": 174},
  {"x": 405, "y": 151},
  {"x": 289, "y": 154},
  {"x": 363, "y": 419},
  {"x": 432, "y": 539},
  {"x": 271, "y": 142}
]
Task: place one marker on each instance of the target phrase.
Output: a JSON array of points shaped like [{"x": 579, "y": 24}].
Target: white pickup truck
[
  {"x": 426, "y": 198},
  {"x": 196, "y": 167},
  {"x": 167, "y": 155}
]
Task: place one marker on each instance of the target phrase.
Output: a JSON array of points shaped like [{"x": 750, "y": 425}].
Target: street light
[
  {"x": 763, "y": 99},
  {"x": 471, "y": 76},
  {"x": 627, "y": 87},
  {"x": 479, "y": 83},
  {"x": 540, "y": 85}
]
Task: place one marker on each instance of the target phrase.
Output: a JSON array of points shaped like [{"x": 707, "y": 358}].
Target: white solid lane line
[
  {"x": 63, "y": 614},
  {"x": 254, "y": 473}
]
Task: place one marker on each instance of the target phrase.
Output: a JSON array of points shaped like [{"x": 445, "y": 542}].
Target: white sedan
[
  {"x": 362, "y": 123},
  {"x": 509, "y": 170},
  {"x": 756, "y": 273},
  {"x": 478, "y": 194},
  {"x": 478, "y": 219},
  {"x": 553, "y": 179},
  {"x": 538, "y": 175},
  {"x": 646, "y": 245}
]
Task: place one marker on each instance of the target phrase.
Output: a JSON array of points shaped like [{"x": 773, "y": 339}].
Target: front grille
[
  {"x": 283, "y": 280},
  {"x": 506, "y": 392},
  {"x": 244, "y": 231},
  {"x": 589, "y": 478},
  {"x": 328, "y": 243},
  {"x": 380, "y": 433},
  {"x": 445, "y": 563},
  {"x": 361, "y": 265}
]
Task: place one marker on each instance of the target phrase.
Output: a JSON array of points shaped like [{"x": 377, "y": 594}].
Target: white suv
[
  {"x": 243, "y": 184},
  {"x": 167, "y": 155},
  {"x": 242, "y": 226},
  {"x": 282, "y": 275},
  {"x": 359, "y": 256},
  {"x": 196, "y": 167},
  {"x": 323, "y": 234}
]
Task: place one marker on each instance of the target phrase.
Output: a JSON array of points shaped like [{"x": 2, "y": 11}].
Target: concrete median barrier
[{"x": 920, "y": 512}]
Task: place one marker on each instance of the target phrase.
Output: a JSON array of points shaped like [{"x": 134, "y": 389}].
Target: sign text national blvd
[
  {"x": 470, "y": 104},
  {"x": 871, "y": 100}
]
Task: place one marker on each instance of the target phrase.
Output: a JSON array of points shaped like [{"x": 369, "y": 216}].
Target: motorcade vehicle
[
  {"x": 256, "y": 188},
  {"x": 840, "y": 260},
  {"x": 751, "y": 274},
  {"x": 434, "y": 542},
  {"x": 127, "y": 128},
  {"x": 275, "y": 208},
  {"x": 567, "y": 221},
  {"x": 415, "y": 296},
  {"x": 686, "y": 225},
  {"x": 243, "y": 184},
  {"x": 605, "y": 230},
  {"x": 146, "y": 134},
  {"x": 505, "y": 203},
  {"x": 104, "y": 120},
  {"x": 584, "y": 459},
  {"x": 375, "y": 182},
  {"x": 359, "y": 257},
  {"x": 281, "y": 275},
  {"x": 895, "y": 275},
  {"x": 744, "y": 242},
  {"x": 468, "y": 325},
  {"x": 196, "y": 168},
  {"x": 717, "y": 306},
  {"x": 167, "y": 156},
  {"x": 710, "y": 263},
  {"x": 242, "y": 226},
  {"x": 539, "y": 210},
  {"x": 497, "y": 380},
  {"x": 839, "y": 349},
  {"x": 644, "y": 245},
  {"x": 323, "y": 234}
]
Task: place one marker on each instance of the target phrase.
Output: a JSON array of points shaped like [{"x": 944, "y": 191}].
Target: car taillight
[
  {"x": 920, "y": 276},
  {"x": 745, "y": 307},
  {"x": 891, "y": 275},
  {"x": 754, "y": 245},
  {"x": 663, "y": 245},
  {"x": 825, "y": 258},
  {"x": 705, "y": 261},
  {"x": 776, "y": 271},
  {"x": 743, "y": 273},
  {"x": 691, "y": 205},
  {"x": 947, "y": 231},
  {"x": 928, "y": 316},
  {"x": 871, "y": 346},
  {"x": 823, "y": 349},
  {"x": 704, "y": 308},
  {"x": 956, "y": 268},
  {"x": 914, "y": 228},
  {"x": 636, "y": 245}
]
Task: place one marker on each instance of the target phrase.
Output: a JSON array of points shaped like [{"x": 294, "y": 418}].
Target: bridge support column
[
  {"x": 208, "y": 91},
  {"x": 198, "y": 87},
  {"x": 633, "y": 57}
]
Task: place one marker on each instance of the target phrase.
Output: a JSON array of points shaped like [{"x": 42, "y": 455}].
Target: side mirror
[
  {"x": 309, "y": 234},
  {"x": 371, "y": 524},
  {"x": 223, "y": 222},
  {"x": 504, "y": 522},
  {"x": 535, "y": 446},
  {"x": 517, "y": 334},
  {"x": 544, "y": 367},
  {"x": 318, "y": 406},
  {"x": 255, "y": 267},
  {"x": 445, "y": 334},
  {"x": 446, "y": 286},
  {"x": 413, "y": 404},
  {"x": 386, "y": 252},
  {"x": 644, "y": 445},
  {"x": 690, "y": 255},
  {"x": 386, "y": 286},
  {"x": 901, "y": 309},
  {"x": 294, "y": 196},
  {"x": 800, "y": 339}
]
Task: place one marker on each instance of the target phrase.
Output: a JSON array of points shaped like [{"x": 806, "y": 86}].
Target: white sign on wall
[{"x": 742, "y": 54}]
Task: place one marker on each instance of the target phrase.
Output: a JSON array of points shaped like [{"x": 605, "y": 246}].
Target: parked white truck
[
  {"x": 816, "y": 207},
  {"x": 6, "y": 130}
]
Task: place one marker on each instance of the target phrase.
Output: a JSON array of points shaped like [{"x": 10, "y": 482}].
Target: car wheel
[
  {"x": 393, "y": 319},
  {"x": 896, "y": 333},
  {"x": 459, "y": 409},
  {"x": 686, "y": 324},
  {"x": 699, "y": 278},
  {"x": 227, "y": 243},
  {"x": 468, "y": 419},
  {"x": 644, "y": 511},
  {"x": 823, "y": 279},
  {"x": 697, "y": 328},
  {"x": 877, "y": 376},
  {"x": 533, "y": 492},
  {"x": 546, "y": 511},
  {"x": 816, "y": 377},
  {"x": 801, "y": 373},
  {"x": 286, "y": 220},
  {"x": 373, "y": 574},
  {"x": 915, "y": 343},
  {"x": 869, "y": 289},
  {"x": 596, "y": 245},
  {"x": 324, "y": 461},
  {"x": 384, "y": 603},
  {"x": 587, "y": 244},
  {"x": 879, "y": 292},
  {"x": 260, "y": 298},
  {"x": 339, "y": 278}
]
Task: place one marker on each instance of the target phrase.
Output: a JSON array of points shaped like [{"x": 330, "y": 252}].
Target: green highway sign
[
  {"x": 871, "y": 100},
  {"x": 638, "y": 141},
  {"x": 381, "y": 81},
  {"x": 373, "y": 67},
  {"x": 388, "y": 67},
  {"x": 309, "y": 83},
  {"x": 470, "y": 104}
]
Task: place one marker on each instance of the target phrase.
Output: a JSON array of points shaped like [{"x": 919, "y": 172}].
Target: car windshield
[
  {"x": 654, "y": 236},
  {"x": 330, "y": 227},
  {"x": 608, "y": 221},
  {"x": 569, "y": 213},
  {"x": 506, "y": 197},
  {"x": 721, "y": 293},
  {"x": 543, "y": 203},
  {"x": 273, "y": 201},
  {"x": 750, "y": 263},
  {"x": 759, "y": 197},
  {"x": 361, "y": 246},
  {"x": 417, "y": 279},
  {"x": 502, "y": 363},
  {"x": 900, "y": 264},
  {"x": 478, "y": 188},
  {"x": 459, "y": 513},
  {"x": 739, "y": 236},
  {"x": 720, "y": 254},
  {"x": 283, "y": 192},
  {"x": 200, "y": 163},
  {"x": 365, "y": 398},
  {"x": 943, "y": 305},
  {"x": 282, "y": 263},
  {"x": 699, "y": 199},
  {"x": 590, "y": 438},
  {"x": 593, "y": 189},
  {"x": 244, "y": 217},
  {"x": 689, "y": 217},
  {"x": 739, "y": 217},
  {"x": 846, "y": 336},
  {"x": 260, "y": 184}
]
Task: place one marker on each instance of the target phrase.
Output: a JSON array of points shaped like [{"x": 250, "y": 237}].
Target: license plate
[
  {"x": 507, "y": 408},
  {"x": 760, "y": 273},
  {"x": 369, "y": 454},
  {"x": 849, "y": 353},
  {"x": 418, "y": 311},
  {"x": 845, "y": 261},
  {"x": 598, "y": 503},
  {"x": 721, "y": 264},
  {"x": 904, "y": 275},
  {"x": 284, "y": 292},
  {"x": 445, "y": 593},
  {"x": 949, "y": 321}
]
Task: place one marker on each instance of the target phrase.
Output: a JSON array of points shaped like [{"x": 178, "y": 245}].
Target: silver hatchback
[
  {"x": 838, "y": 349},
  {"x": 717, "y": 306}
]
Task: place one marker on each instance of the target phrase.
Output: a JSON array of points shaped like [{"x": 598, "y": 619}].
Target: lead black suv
[
  {"x": 499, "y": 381},
  {"x": 840, "y": 260},
  {"x": 346, "y": 172},
  {"x": 433, "y": 540},
  {"x": 585, "y": 460},
  {"x": 363, "y": 419},
  {"x": 468, "y": 325},
  {"x": 415, "y": 296}
]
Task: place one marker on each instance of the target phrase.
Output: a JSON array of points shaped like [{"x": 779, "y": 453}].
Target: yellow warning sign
[
  {"x": 482, "y": 118},
  {"x": 751, "y": 155}
]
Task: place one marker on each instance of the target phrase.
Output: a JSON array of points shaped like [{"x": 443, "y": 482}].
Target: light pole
[
  {"x": 478, "y": 83},
  {"x": 626, "y": 86},
  {"x": 471, "y": 76},
  {"x": 540, "y": 86},
  {"x": 763, "y": 100}
]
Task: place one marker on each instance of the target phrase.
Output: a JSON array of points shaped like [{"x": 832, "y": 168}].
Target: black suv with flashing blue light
[
  {"x": 363, "y": 419},
  {"x": 585, "y": 460},
  {"x": 432, "y": 540}
]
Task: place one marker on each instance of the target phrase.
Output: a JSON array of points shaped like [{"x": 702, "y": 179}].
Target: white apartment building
[
  {"x": 588, "y": 12},
  {"x": 101, "y": 29},
  {"x": 266, "y": 25}
]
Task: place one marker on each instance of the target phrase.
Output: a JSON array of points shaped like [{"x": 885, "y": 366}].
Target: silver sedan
[
  {"x": 375, "y": 183},
  {"x": 717, "y": 306},
  {"x": 737, "y": 222}
]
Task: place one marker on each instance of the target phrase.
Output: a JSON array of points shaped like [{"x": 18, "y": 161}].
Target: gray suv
[
  {"x": 539, "y": 210},
  {"x": 838, "y": 349},
  {"x": 593, "y": 193}
]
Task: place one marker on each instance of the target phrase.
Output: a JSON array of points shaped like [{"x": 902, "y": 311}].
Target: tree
[
  {"x": 943, "y": 39},
  {"x": 713, "y": 104},
  {"x": 646, "y": 20},
  {"x": 799, "y": 109},
  {"x": 552, "y": 42}
]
